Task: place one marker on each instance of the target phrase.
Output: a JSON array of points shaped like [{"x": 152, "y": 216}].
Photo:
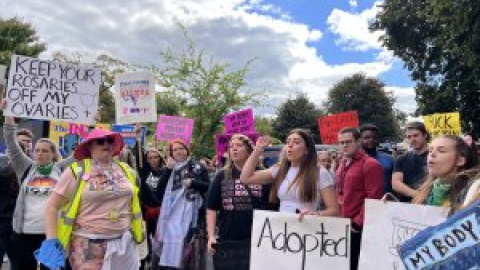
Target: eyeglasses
[
  {"x": 101, "y": 141},
  {"x": 345, "y": 143}
]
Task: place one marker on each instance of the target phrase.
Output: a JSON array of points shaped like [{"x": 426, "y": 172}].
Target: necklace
[{"x": 108, "y": 173}]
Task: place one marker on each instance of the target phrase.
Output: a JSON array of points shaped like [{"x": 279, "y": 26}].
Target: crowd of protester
[{"x": 91, "y": 210}]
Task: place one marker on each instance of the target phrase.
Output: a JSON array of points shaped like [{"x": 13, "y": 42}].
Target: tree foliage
[
  {"x": 439, "y": 42},
  {"x": 192, "y": 87},
  {"x": 298, "y": 112},
  {"x": 18, "y": 37},
  {"x": 205, "y": 90},
  {"x": 368, "y": 97},
  {"x": 264, "y": 125}
]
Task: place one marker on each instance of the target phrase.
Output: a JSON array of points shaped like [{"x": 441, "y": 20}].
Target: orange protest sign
[{"x": 330, "y": 125}]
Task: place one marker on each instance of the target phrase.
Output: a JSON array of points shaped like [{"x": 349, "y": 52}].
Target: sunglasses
[{"x": 102, "y": 141}]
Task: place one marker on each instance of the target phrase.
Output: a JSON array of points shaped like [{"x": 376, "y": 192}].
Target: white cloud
[
  {"x": 405, "y": 98},
  {"x": 352, "y": 28},
  {"x": 235, "y": 31},
  {"x": 353, "y": 3}
]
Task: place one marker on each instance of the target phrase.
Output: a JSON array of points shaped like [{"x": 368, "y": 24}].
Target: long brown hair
[
  {"x": 229, "y": 163},
  {"x": 458, "y": 181},
  {"x": 306, "y": 179}
]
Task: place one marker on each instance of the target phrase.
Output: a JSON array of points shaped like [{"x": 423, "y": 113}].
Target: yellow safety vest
[{"x": 69, "y": 213}]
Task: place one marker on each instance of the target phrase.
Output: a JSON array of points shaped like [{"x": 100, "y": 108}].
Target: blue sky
[
  {"x": 314, "y": 13},
  {"x": 300, "y": 45}
]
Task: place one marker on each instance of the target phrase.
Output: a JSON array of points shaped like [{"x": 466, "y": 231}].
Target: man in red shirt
[{"x": 359, "y": 177}]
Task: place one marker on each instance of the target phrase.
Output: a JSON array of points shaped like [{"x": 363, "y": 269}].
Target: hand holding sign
[
  {"x": 3, "y": 106},
  {"x": 39, "y": 89}
]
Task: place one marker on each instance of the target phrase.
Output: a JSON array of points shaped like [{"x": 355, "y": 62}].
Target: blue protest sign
[
  {"x": 128, "y": 133},
  {"x": 454, "y": 244}
]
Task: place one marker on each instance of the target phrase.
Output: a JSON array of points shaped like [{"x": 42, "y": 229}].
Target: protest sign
[
  {"x": 454, "y": 244},
  {"x": 281, "y": 241},
  {"x": 239, "y": 122},
  {"x": 135, "y": 98},
  {"x": 443, "y": 123},
  {"x": 221, "y": 142},
  {"x": 330, "y": 125},
  {"x": 46, "y": 90},
  {"x": 174, "y": 127},
  {"x": 387, "y": 225},
  {"x": 128, "y": 134},
  {"x": 2, "y": 79}
]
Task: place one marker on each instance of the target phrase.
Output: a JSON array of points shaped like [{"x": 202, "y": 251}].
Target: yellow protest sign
[{"x": 443, "y": 123}]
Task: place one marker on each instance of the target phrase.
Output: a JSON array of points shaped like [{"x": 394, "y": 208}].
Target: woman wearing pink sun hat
[{"x": 100, "y": 218}]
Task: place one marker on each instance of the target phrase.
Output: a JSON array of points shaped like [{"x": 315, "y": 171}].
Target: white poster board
[
  {"x": 135, "y": 98},
  {"x": 2, "y": 79},
  {"x": 281, "y": 242},
  {"x": 388, "y": 225},
  {"x": 45, "y": 90}
]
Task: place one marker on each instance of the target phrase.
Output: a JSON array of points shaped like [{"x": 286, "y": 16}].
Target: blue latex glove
[{"x": 51, "y": 254}]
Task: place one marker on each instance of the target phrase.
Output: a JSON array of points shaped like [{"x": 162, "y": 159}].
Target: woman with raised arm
[
  {"x": 298, "y": 182},
  {"x": 230, "y": 203},
  {"x": 151, "y": 167},
  {"x": 37, "y": 177}
]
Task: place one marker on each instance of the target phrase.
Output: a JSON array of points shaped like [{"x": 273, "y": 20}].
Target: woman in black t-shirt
[{"x": 230, "y": 203}]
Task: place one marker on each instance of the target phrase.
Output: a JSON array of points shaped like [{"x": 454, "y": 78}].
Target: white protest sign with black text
[
  {"x": 387, "y": 225},
  {"x": 280, "y": 241},
  {"x": 135, "y": 98},
  {"x": 39, "y": 89}
]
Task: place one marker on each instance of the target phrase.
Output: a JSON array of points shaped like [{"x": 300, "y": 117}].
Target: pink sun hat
[{"x": 82, "y": 151}]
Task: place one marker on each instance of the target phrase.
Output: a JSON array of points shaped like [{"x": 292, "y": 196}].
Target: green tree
[
  {"x": 298, "y": 112},
  {"x": 206, "y": 90},
  {"x": 368, "y": 97},
  {"x": 263, "y": 124},
  {"x": 439, "y": 42},
  {"x": 18, "y": 37}
]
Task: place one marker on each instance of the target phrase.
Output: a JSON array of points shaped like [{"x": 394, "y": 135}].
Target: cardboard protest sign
[
  {"x": 135, "y": 98},
  {"x": 443, "y": 123},
  {"x": 330, "y": 125},
  {"x": 281, "y": 241},
  {"x": 174, "y": 127},
  {"x": 128, "y": 134},
  {"x": 3, "y": 69},
  {"x": 2, "y": 79},
  {"x": 239, "y": 122},
  {"x": 454, "y": 244},
  {"x": 46, "y": 90},
  {"x": 388, "y": 225},
  {"x": 221, "y": 142}
]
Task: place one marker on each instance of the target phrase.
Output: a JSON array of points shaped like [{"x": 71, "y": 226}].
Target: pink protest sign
[
  {"x": 221, "y": 141},
  {"x": 239, "y": 122},
  {"x": 174, "y": 127}
]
